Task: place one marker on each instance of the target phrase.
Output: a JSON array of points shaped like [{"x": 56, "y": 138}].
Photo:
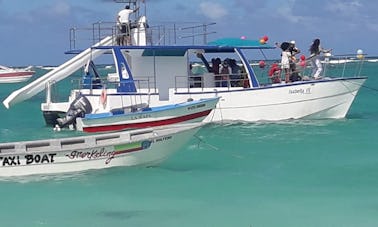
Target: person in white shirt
[{"x": 123, "y": 22}]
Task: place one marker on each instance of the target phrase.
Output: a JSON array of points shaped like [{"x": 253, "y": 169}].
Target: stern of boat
[{"x": 52, "y": 111}]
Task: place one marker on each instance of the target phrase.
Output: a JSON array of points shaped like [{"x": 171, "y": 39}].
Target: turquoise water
[{"x": 292, "y": 173}]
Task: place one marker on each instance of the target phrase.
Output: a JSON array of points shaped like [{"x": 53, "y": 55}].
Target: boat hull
[
  {"x": 15, "y": 77},
  {"x": 304, "y": 100},
  {"x": 52, "y": 116},
  {"x": 133, "y": 148},
  {"x": 193, "y": 111},
  {"x": 328, "y": 99},
  {"x": 317, "y": 99}
]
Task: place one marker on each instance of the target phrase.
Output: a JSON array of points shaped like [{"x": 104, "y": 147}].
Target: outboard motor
[{"x": 78, "y": 108}]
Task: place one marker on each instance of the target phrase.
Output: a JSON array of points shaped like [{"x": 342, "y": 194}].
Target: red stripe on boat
[
  {"x": 128, "y": 151},
  {"x": 169, "y": 121},
  {"x": 16, "y": 74}
]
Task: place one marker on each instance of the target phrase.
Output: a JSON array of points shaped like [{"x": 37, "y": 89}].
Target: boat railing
[
  {"x": 164, "y": 33},
  {"x": 143, "y": 85},
  {"x": 81, "y": 38},
  {"x": 335, "y": 66},
  {"x": 52, "y": 93},
  {"x": 342, "y": 66},
  {"x": 211, "y": 80}
]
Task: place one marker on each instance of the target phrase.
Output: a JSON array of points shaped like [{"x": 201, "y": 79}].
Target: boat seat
[{"x": 131, "y": 108}]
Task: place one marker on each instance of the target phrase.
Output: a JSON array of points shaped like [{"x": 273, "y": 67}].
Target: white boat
[
  {"x": 160, "y": 74},
  {"x": 144, "y": 147},
  {"x": 143, "y": 116},
  {"x": 14, "y": 75}
]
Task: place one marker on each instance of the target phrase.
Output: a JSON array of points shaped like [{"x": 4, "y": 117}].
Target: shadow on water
[
  {"x": 121, "y": 215},
  {"x": 39, "y": 178}
]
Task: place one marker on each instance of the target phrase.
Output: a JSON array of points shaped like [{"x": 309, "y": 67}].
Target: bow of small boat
[{"x": 97, "y": 151}]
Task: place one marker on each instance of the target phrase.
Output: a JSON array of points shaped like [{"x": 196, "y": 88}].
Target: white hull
[
  {"x": 12, "y": 75},
  {"x": 139, "y": 147},
  {"x": 318, "y": 99},
  {"x": 14, "y": 79},
  {"x": 310, "y": 100}
]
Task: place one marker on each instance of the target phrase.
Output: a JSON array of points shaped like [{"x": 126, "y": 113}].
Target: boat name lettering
[
  {"x": 163, "y": 138},
  {"x": 300, "y": 91},
  {"x": 29, "y": 159},
  {"x": 93, "y": 154},
  {"x": 39, "y": 159},
  {"x": 196, "y": 106},
  {"x": 141, "y": 116},
  {"x": 10, "y": 160}
]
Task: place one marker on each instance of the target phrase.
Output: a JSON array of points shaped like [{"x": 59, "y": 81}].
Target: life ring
[{"x": 103, "y": 97}]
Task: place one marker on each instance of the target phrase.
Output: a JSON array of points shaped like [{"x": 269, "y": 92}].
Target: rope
[
  {"x": 215, "y": 148},
  {"x": 350, "y": 92},
  {"x": 213, "y": 115},
  {"x": 220, "y": 109},
  {"x": 219, "y": 104},
  {"x": 364, "y": 86},
  {"x": 369, "y": 88},
  {"x": 207, "y": 144}
]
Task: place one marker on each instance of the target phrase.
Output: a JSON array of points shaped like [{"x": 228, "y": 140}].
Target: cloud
[
  {"x": 213, "y": 10},
  {"x": 249, "y": 6},
  {"x": 344, "y": 7},
  {"x": 286, "y": 12},
  {"x": 60, "y": 9}
]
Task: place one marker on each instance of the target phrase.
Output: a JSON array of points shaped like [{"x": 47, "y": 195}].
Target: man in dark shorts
[{"x": 123, "y": 23}]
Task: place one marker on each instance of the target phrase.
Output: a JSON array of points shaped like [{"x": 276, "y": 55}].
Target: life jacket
[
  {"x": 273, "y": 71},
  {"x": 274, "y": 68}
]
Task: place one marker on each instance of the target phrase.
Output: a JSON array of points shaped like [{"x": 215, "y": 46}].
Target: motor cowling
[{"x": 78, "y": 108}]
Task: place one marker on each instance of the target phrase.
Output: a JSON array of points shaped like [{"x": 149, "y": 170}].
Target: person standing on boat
[
  {"x": 293, "y": 51},
  {"x": 225, "y": 71},
  {"x": 285, "y": 59},
  {"x": 293, "y": 48},
  {"x": 215, "y": 67},
  {"x": 294, "y": 75},
  {"x": 315, "y": 51},
  {"x": 123, "y": 22}
]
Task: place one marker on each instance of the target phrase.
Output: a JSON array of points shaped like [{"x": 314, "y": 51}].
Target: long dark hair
[{"x": 314, "y": 49}]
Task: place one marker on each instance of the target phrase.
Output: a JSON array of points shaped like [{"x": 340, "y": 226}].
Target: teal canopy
[{"x": 242, "y": 43}]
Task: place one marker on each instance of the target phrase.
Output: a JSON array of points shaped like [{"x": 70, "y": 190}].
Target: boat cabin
[{"x": 159, "y": 68}]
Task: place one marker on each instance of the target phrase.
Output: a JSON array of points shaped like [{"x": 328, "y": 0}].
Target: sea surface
[{"x": 292, "y": 173}]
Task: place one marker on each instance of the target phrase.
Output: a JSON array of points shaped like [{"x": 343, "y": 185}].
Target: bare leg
[
  {"x": 119, "y": 40},
  {"x": 128, "y": 40},
  {"x": 287, "y": 76},
  {"x": 124, "y": 42}
]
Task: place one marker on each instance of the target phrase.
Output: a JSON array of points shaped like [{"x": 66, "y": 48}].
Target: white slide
[{"x": 57, "y": 74}]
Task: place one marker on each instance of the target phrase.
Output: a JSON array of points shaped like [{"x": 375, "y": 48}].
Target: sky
[{"x": 37, "y": 32}]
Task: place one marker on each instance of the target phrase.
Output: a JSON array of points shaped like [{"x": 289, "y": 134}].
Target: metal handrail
[{"x": 161, "y": 34}]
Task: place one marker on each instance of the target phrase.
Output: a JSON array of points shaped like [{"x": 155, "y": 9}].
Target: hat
[{"x": 292, "y": 41}]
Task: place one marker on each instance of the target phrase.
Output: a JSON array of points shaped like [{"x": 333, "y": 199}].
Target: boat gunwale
[
  {"x": 270, "y": 86},
  {"x": 92, "y": 141},
  {"x": 158, "y": 109}
]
